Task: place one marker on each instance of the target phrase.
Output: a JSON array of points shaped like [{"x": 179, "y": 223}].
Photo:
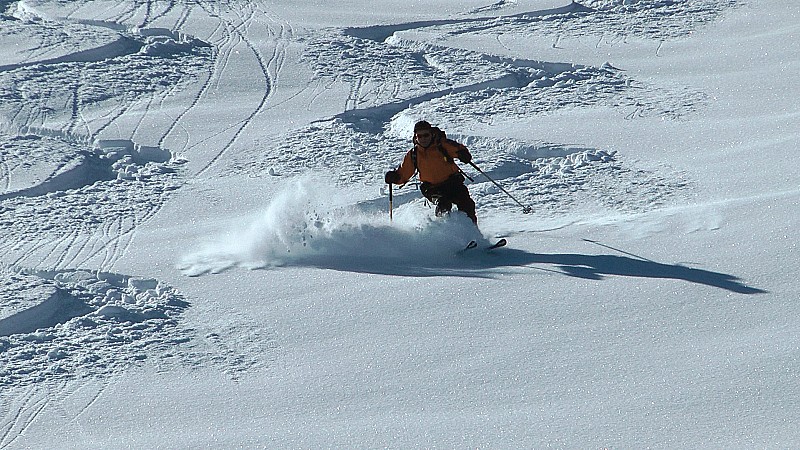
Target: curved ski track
[
  {"x": 111, "y": 238},
  {"x": 22, "y": 416},
  {"x": 269, "y": 67}
]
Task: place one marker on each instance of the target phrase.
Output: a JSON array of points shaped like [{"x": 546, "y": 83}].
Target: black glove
[
  {"x": 392, "y": 177},
  {"x": 464, "y": 155}
]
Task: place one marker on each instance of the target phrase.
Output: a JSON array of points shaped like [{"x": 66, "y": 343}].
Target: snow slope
[{"x": 197, "y": 252}]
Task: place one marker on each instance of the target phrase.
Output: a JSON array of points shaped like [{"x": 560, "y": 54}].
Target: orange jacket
[{"x": 432, "y": 164}]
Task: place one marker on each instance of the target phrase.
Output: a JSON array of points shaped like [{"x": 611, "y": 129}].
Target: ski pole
[
  {"x": 525, "y": 209},
  {"x": 465, "y": 175},
  {"x": 391, "y": 200}
]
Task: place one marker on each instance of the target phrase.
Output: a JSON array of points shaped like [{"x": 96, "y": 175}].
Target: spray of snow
[
  {"x": 303, "y": 225},
  {"x": 401, "y": 124}
]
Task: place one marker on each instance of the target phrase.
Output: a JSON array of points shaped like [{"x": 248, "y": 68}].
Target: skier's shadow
[
  {"x": 589, "y": 267},
  {"x": 598, "y": 267}
]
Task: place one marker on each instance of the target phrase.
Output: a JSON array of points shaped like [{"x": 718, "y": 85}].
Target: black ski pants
[{"x": 451, "y": 192}]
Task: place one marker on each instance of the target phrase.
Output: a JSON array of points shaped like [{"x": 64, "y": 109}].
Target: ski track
[
  {"x": 32, "y": 405},
  {"x": 5, "y": 173},
  {"x": 235, "y": 29},
  {"x": 51, "y": 251},
  {"x": 176, "y": 122}
]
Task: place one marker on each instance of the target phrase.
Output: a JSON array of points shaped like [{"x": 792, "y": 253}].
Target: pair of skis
[{"x": 474, "y": 244}]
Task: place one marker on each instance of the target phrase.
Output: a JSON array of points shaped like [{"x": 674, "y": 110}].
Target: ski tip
[
  {"x": 474, "y": 244},
  {"x": 501, "y": 243},
  {"x": 470, "y": 245}
]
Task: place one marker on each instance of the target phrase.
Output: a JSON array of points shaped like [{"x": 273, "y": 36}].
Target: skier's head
[
  {"x": 421, "y": 125},
  {"x": 423, "y": 133}
]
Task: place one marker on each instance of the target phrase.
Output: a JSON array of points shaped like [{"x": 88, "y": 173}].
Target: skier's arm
[
  {"x": 456, "y": 150},
  {"x": 406, "y": 169},
  {"x": 403, "y": 173}
]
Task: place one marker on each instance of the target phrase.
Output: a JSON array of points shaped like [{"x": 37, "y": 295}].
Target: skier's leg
[
  {"x": 465, "y": 203},
  {"x": 443, "y": 206}
]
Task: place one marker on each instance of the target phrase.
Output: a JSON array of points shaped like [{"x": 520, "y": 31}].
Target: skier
[{"x": 433, "y": 158}]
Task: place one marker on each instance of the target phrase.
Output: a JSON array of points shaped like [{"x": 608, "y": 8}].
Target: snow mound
[
  {"x": 303, "y": 227},
  {"x": 73, "y": 323},
  {"x": 166, "y": 46}
]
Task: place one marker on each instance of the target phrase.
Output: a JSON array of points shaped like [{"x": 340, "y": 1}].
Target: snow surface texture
[
  {"x": 196, "y": 237},
  {"x": 87, "y": 325}
]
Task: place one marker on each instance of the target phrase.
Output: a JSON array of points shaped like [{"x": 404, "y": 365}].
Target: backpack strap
[{"x": 440, "y": 138}]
